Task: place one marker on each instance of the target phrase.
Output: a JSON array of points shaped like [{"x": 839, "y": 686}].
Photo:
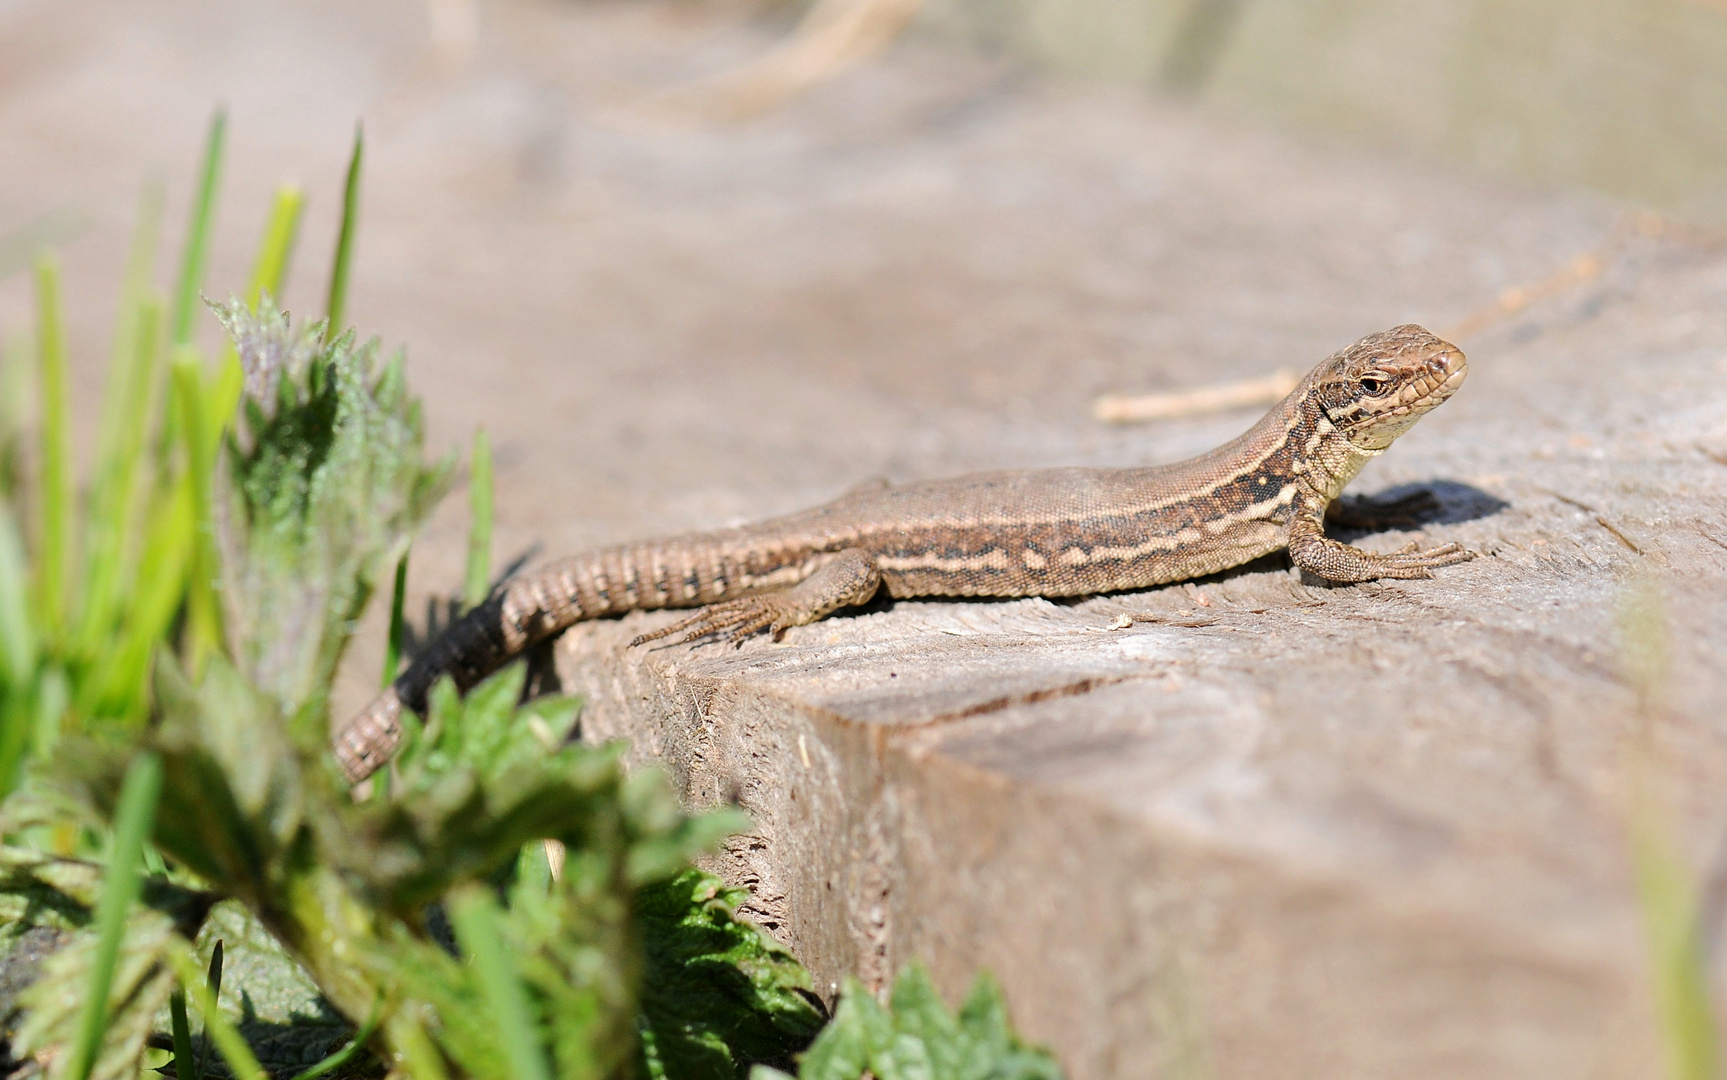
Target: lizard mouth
[{"x": 1445, "y": 374}]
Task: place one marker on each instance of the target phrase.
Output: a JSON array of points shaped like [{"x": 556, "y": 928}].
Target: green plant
[
  {"x": 479, "y": 576},
  {"x": 915, "y": 1037},
  {"x": 103, "y": 581},
  {"x": 1667, "y": 887},
  {"x": 326, "y": 486},
  {"x": 175, "y": 842},
  {"x": 718, "y": 993}
]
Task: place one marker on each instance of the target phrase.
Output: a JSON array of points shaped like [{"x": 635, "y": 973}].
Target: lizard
[{"x": 1039, "y": 532}]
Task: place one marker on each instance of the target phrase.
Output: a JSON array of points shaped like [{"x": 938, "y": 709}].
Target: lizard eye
[{"x": 1374, "y": 385}]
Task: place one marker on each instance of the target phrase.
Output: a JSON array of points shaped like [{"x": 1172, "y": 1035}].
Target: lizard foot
[
  {"x": 737, "y": 619},
  {"x": 1334, "y": 561},
  {"x": 849, "y": 577}
]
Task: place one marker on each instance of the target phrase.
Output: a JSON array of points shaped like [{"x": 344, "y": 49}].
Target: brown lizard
[{"x": 1045, "y": 532}]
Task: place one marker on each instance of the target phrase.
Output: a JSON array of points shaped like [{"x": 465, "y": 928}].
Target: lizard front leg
[
  {"x": 1313, "y": 551},
  {"x": 848, "y": 579}
]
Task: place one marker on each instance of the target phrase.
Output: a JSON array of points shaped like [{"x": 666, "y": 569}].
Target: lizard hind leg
[{"x": 848, "y": 579}]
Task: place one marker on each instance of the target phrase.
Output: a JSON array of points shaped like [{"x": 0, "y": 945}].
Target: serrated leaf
[
  {"x": 231, "y": 794},
  {"x": 719, "y": 994},
  {"x": 140, "y": 988},
  {"x": 324, "y": 485},
  {"x": 920, "y": 1015},
  {"x": 916, "y": 1038},
  {"x": 845, "y": 1048}
]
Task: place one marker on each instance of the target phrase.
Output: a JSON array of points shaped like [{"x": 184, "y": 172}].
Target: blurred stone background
[
  {"x": 1288, "y": 831},
  {"x": 1625, "y": 96}
]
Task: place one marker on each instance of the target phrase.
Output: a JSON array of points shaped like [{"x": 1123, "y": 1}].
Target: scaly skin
[{"x": 1046, "y": 532}]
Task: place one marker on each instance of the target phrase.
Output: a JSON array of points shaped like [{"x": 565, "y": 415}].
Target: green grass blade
[
  {"x": 346, "y": 1054},
  {"x": 1680, "y": 974},
  {"x": 198, "y": 233},
  {"x": 120, "y": 887},
  {"x": 17, "y": 636},
  {"x": 118, "y": 687},
  {"x": 212, "y": 983},
  {"x": 182, "y": 1031},
  {"x": 479, "y": 578},
  {"x": 203, "y": 601},
  {"x": 17, "y": 388},
  {"x": 398, "y": 622},
  {"x": 114, "y": 511},
  {"x": 222, "y": 399},
  {"x": 53, "y": 695},
  {"x": 271, "y": 267},
  {"x": 17, "y": 656},
  {"x": 134, "y": 290},
  {"x": 218, "y": 1027},
  {"x": 16, "y": 728},
  {"x": 336, "y": 310},
  {"x": 54, "y": 484},
  {"x": 475, "y": 919},
  {"x": 1667, "y": 887}
]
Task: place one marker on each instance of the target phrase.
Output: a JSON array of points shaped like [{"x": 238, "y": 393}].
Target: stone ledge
[{"x": 1288, "y": 831}]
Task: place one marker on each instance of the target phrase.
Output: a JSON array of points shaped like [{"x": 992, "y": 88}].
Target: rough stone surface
[{"x": 1287, "y": 831}]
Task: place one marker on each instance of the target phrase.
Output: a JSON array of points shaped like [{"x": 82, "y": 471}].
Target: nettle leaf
[
  {"x": 324, "y": 483},
  {"x": 140, "y": 989},
  {"x": 719, "y": 995},
  {"x": 665, "y": 837},
  {"x": 916, "y": 1038},
  {"x": 36, "y": 886},
  {"x": 269, "y": 997},
  {"x": 570, "y": 944},
  {"x": 232, "y": 799},
  {"x": 484, "y": 732},
  {"x": 481, "y": 778}
]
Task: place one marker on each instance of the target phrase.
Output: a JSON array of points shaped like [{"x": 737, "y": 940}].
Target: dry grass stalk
[{"x": 1128, "y": 409}]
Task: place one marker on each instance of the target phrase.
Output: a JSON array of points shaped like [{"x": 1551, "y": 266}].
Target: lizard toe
[{"x": 1409, "y": 563}]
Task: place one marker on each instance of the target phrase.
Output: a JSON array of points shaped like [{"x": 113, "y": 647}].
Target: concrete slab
[{"x": 1289, "y": 831}]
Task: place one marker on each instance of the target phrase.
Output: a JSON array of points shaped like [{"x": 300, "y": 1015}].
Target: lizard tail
[
  {"x": 674, "y": 573},
  {"x": 368, "y": 740}
]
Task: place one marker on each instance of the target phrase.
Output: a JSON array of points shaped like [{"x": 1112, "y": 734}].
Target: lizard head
[{"x": 1377, "y": 389}]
